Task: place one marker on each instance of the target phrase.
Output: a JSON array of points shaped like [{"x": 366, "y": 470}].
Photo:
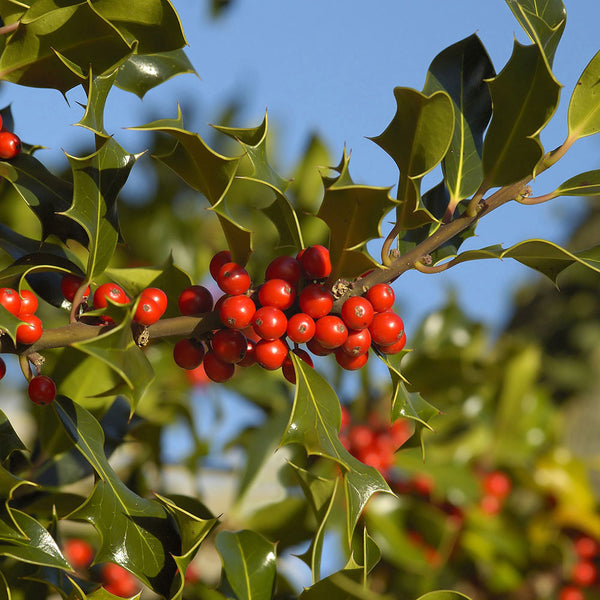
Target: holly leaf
[
  {"x": 117, "y": 348},
  {"x": 46, "y": 195},
  {"x": 97, "y": 181},
  {"x": 142, "y": 72},
  {"x": 9, "y": 440},
  {"x": 346, "y": 584},
  {"x": 353, "y": 214},
  {"x": 249, "y": 561},
  {"x": 97, "y": 92},
  {"x": 584, "y": 107},
  {"x": 584, "y": 184},
  {"x": 524, "y": 95},
  {"x": 543, "y": 21},
  {"x": 314, "y": 424},
  {"x": 541, "y": 255},
  {"x": 135, "y": 532},
  {"x": 38, "y": 262},
  {"x": 461, "y": 70},
  {"x": 55, "y": 46},
  {"x": 207, "y": 172},
  {"x": 155, "y": 28}
]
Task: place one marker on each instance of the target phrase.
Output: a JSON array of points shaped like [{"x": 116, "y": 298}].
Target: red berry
[
  {"x": 250, "y": 358},
  {"x": 10, "y": 145},
  {"x": 357, "y": 342},
  {"x": 276, "y": 292},
  {"x": 586, "y": 547},
  {"x": 69, "y": 285},
  {"x": 229, "y": 345},
  {"x": 490, "y": 505},
  {"x": 197, "y": 376},
  {"x": 29, "y": 302},
  {"x": 381, "y": 296},
  {"x": 351, "y": 363},
  {"x": 188, "y": 354},
  {"x": 119, "y": 581},
  {"x": 300, "y": 328},
  {"x": 216, "y": 369},
  {"x": 330, "y": 331},
  {"x": 195, "y": 300},
  {"x": 109, "y": 291},
  {"x": 584, "y": 573},
  {"x": 217, "y": 261},
  {"x": 315, "y": 300},
  {"x": 288, "y": 366},
  {"x": 41, "y": 390},
  {"x": 316, "y": 262},
  {"x": 386, "y": 328},
  {"x": 570, "y": 592},
  {"x": 233, "y": 279},
  {"x": 78, "y": 552},
  {"x": 270, "y": 354},
  {"x": 236, "y": 312},
  {"x": 2, "y": 368},
  {"x": 11, "y": 300},
  {"x": 357, "y": 312},
  {"x": 497, "y": 484},
  {"x": 286, "y": 268},
  {"x": 157, "y": 296},
  {"x": 147, "y": 312},
  {"x": 269, "y": 323},
  {"x": 395, "y": 347},
  {"x": 30, "y": 331},
  {"x": 361, "y": 437},
  {"x": 317, "y": 349}
]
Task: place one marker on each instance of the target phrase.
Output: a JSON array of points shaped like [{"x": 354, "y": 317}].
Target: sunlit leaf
[
  {"x": 98, "y": 179},
  {"x": 314, "y": 424},
  {"x": 353, "y": 215},
  {"x": 136, "y": 533},
  {"x": 584, "y": 184},
  {"x": 524, "y": 95},
  {"x": 460, "y": 71},
  {"x": 544, "y": 22},
  {"x": 76, "y": 32},
  {"x": 344, "y": 584},
  {"x": 97, "y": 90},
  {"x": 142, "y": 72},
  {"x": 584, "y": 107},
  {"x": 249, "y": 561}
]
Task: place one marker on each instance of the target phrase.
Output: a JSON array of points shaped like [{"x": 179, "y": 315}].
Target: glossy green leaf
[
  {"x": 4, "y": 589},
  {"x": 207, "y": 172},
  {"x": 98, "y": 89},
  {"x": 584, "y": 107},
  {"x": 249, "y": 562},
  {"x": 524, "y": 95},
  {"x": 12, "y": 10},
  {"x": 314, "y": 424},
  {"x": 46, "y": 194},
  {"x": 584, "y": 184},
  {"x": 118, "y": 350},
  {"x": 39, "y": 547},
  {"x": 98, "y": 179},
  {"x": 420, "y": 133},
  {"x": 52, "y": 31},
  {"x": 9, "y": 440},
  {"x": 280, "y": 211},
  {"x": 194, "y": 524},
  {"x": 344, "y": 584},
  {"x": 135, "y": 532},
  {"x": 102, "y": 594},
  {"x": 543, "y": 20},
  {"x": 9, "y": 323},
  {"x": 461, "y": 70},
  {"x": 353, "y": 215},
  {"x": 540, "y": 255},
  {"x": 155, "y": 28},
  {"x": 38, "y": 262},
  {"x": 142, "y": 72}
]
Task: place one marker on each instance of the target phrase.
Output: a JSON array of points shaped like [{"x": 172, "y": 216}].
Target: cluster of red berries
[
  {"x": 23, "y": 306},
  {"x": 10, "y": 144},
  {"x": 291, "y": 307},
  {"x": 114, "y": 578},
  {"x": 583, "y": 574},
  {"x": 496, "y": 487},
  {"x": 375, "y": 443}
]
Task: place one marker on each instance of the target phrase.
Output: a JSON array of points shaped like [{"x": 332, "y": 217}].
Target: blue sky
[{"x": 330, "y": 67}]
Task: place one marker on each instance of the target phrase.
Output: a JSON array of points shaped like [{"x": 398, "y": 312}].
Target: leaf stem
[{"x": 6, "y": 29}]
